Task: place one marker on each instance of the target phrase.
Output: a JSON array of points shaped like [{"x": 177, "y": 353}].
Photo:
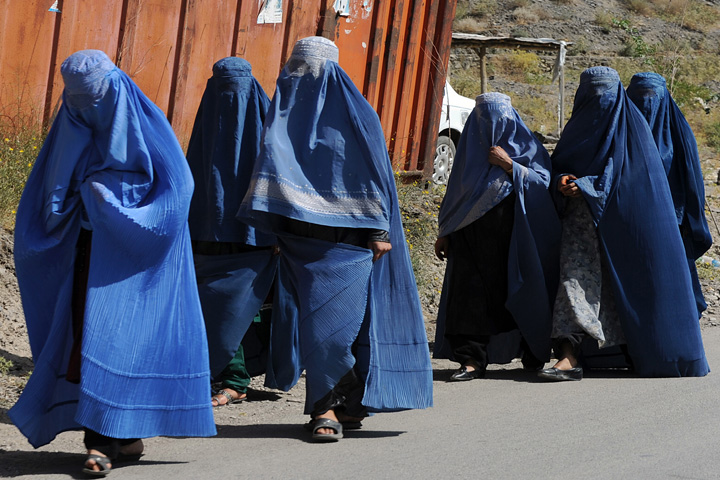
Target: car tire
[{"x": 443, "y": 161}]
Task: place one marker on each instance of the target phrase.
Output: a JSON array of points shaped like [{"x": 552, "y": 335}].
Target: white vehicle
[{"x": 455, "y": 112}]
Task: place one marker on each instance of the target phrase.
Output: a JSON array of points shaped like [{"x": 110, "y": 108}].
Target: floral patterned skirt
[{"x": 585, "y": 302}]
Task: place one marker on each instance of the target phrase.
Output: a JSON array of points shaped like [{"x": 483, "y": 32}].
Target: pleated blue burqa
[
  {"x": 221, "y": 153},
  {"x": 474, "y": 188},
  {"x": 608, "y": 146},
  {"x": 323, "y": 161},
  {"x": 678, "y": 150},
  {"x": 111, "y": 163}
]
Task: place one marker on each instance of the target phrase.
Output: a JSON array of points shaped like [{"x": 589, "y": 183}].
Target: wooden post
[
  {"x": 561, "y": 81},
  {"x": 483, "y": 70}
]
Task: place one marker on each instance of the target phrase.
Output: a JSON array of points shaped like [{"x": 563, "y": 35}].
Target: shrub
[
  {"x": 468, "y": 25},
  {"x": 604, "y": 19},
  {"x": 712, "y": 136},
  {"x": 5, "y": 366},
  {"x": 466, "y": 82},
  {"x": 521, "y": 66},
  {"x": 525, "y": 16}
]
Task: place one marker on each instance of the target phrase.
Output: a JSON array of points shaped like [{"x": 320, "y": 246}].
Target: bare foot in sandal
[
  {"x": 97, "y": 464},
  {"x": 330, "y": 414},
  {"x": 227, "y": 396}
]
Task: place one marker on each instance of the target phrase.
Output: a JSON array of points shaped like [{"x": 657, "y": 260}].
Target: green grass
[
  {"x": 712, "y": 136},
  {"x": 707, "y": 272},
  {"x": 17, "y": 156},
  {"x": 5, "y": 366}
]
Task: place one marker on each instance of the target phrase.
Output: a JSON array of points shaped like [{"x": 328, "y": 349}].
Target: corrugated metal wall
[{"x": 395, "y": 51}]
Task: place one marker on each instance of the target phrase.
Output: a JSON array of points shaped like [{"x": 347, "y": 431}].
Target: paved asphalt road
[{"x": 507, "y": 426}]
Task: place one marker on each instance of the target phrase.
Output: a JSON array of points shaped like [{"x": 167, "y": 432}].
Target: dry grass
[
  {"x": 525, "y": 16},
  {"x": 513, "y": 4},
  {"x": 475, "y": 8},
  {"x": 538, "y": 113},
  {"x": 468, "y": 25},
  {"x": 604, "y": 19},
  {"x": 466, "y": 82},
  {"x": 519, "y": 66},
  {"x": 692, "y": 14}
]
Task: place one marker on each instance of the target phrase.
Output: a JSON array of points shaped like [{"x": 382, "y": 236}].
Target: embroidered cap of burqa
[
  {"x": 608, "y": 145},
  {"x": 678, "y": 149},
  {"x": 475, "y": 187},
  {"x": 111, "y": 163},
  {"x": 221, "y": 153},
  {"x": 323, "y": 160}
]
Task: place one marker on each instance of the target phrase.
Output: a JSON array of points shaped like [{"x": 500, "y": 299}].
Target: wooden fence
[{"x": 396, "y": 52}]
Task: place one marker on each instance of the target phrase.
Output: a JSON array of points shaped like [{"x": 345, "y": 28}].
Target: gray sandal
[
  {"x": 319, "y": 423},
  {"x": 101, "y": 461},
  {"x": 230, "y": 398}
]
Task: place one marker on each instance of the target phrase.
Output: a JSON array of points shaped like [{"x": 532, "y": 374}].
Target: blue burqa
[
  {"x": 609, "y": 147},
  {"x": 111, "y": 164},
  {"x": 678, "y": 149},
  {"x": 224, "y": 144},
  {"x": 323, "y": 160},
  {"x": 475, "y": 187}
]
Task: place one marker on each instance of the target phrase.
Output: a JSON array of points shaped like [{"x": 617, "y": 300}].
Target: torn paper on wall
[
  {"x": 270, "y": 11},
  {"x": 342, "y": 7}
]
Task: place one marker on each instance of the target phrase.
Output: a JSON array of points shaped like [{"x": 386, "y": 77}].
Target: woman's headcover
[
  {"x": 310, "y": 54},
  {"x": 85, "y": 74},
  {"x": 232, "y": 67},
  {"x": 495, "y": 101}
]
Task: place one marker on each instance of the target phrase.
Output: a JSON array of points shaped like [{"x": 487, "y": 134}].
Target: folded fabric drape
[
  {"x": 474, "y": 188},
  {"x": 112, "y": 164},
  {"x": 678, "y": 149},
  {"x": 608, "y": 145},
  {"x": 323, "y": 161}
]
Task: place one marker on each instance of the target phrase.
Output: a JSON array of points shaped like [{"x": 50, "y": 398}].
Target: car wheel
[{"x": 443, "y": 162}]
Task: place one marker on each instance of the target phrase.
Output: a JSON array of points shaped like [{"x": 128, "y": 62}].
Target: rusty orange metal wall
[{"x": 396, "y": 52}]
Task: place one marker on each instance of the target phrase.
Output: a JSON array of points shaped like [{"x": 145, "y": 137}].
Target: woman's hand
[
  {"x": 498, "y": 156},
  {"x": 441, "y": 247},
  {"x": 379, "y": 249},
  {"x": 567, "y": 187}
]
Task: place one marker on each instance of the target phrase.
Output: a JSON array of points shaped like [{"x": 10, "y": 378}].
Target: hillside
[{"x": 678, "y": 38}]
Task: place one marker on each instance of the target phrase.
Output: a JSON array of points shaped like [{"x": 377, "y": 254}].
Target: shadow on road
[
  {"x": 41, "y": 464},
  {"x": 514, "y": 374},
  {"x": 21, "y": 365},
  {"x": 293, "y": 431}
]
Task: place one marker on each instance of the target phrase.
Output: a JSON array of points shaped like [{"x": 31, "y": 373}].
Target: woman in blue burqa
[
  {"x": 624, "y": 278},
  {"x": 678, "y": 149},
  {"x": 499, "y": 231},
  {"x": 105, "y": 270},
  {"x": 346, "y": 307},
  {"x": 234, "y": 263}
]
